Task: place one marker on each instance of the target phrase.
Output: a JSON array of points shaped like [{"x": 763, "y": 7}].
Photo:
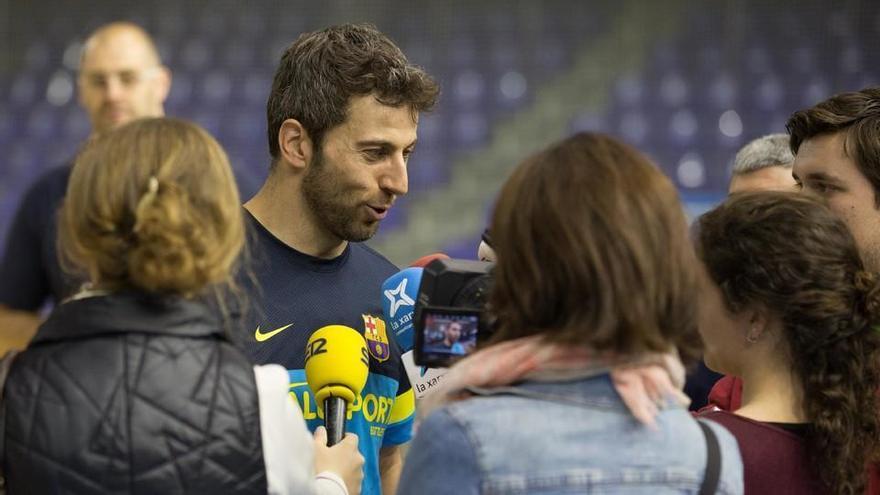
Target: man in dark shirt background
[{"x": 121, "y": 78}]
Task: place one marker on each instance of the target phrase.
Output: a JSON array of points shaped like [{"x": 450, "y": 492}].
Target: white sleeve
[
  {"x": 330, "y": 483},
  {"x": 287, "y": 443}
]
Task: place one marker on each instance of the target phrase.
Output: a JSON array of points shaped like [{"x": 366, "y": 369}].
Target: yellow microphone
[{"x": 337, "y": 365}]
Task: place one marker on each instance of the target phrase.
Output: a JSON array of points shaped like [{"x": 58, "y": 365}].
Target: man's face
[
  {"x": 773, "y": 178},
  {"x": 453, "y": 333},
  {"x": 121, "y": 80},
  {"x": 821, "y": 167},
  {"x": 360, "y": 170}
]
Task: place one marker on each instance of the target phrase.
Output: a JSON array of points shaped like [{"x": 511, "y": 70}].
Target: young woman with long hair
[{"x": 787, "y": 305}]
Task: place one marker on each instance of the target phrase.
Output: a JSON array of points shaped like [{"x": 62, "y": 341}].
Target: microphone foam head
[{"x": 337, "y": 363}]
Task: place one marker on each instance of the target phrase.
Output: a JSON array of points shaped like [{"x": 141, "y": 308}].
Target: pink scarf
[{"x": 645, "y": 382}]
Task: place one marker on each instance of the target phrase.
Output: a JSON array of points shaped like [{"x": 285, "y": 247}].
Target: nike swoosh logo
[{"x": 262, "y": 337}]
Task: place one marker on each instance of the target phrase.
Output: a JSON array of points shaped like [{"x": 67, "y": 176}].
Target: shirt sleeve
[
  {"x": 24, "y": 284},
  {"x": 287, "y": 443},
  {"x": 441, "y": 459},
  {"x": 403, "y": 412},
  {"x": 330, "y": 483}
]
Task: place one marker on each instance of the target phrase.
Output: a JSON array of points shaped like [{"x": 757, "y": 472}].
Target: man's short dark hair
[
  {"x": 321, "y": 71},
  {"x": 858, "y": 115}
]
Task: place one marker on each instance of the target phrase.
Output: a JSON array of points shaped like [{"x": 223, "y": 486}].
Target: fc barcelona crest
[{"x": 377, "y": 339}]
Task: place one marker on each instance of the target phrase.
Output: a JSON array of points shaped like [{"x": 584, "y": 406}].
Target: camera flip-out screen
[{"x": 445, "y": 335}]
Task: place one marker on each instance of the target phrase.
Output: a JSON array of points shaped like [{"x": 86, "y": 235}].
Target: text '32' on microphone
[{"x": 337, "y": 365}]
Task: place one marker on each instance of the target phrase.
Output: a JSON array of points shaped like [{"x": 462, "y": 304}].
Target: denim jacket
[{"x": 561, "y": 437}]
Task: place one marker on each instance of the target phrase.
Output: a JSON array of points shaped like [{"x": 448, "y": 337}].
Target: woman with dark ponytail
[{"x": 788, "y": 306}]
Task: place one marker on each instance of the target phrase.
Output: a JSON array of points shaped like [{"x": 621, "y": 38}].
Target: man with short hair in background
[
  {"x": 837, "y": 157},
  {"x": 342, "y": 120},
  {"x": 763, "y": 165},
  {"x": 836, "y": 145},
  {"x": 121, "y": 78}
]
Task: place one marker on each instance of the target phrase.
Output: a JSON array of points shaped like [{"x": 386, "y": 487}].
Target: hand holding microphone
[
  {"x": 344, "y": 459},
  {"x": 337, "y": 365}
]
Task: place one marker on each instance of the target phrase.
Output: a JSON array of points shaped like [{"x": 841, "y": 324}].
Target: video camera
[{"x": 451, "y": 318}]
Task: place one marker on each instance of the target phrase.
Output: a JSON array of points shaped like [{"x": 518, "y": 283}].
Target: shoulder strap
[
  {"x": 5, "y": 366},
  {"x": 713, "y": 461}
]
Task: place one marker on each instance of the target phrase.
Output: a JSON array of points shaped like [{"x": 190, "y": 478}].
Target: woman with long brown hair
[
  {"x": 786, "y": 304},
  {"x": 580, "y": 390},
  {"x": 132, "y": 386}
]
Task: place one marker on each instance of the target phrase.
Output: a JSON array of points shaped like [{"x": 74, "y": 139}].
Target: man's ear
[
  {"x": 294, "y": 144},
  {"x": 163, "y": 84}
]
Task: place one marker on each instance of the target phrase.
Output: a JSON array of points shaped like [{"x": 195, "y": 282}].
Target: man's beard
[{"x": 335, "y": 211}]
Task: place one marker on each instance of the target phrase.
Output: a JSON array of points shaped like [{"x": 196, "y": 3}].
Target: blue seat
[
  {"x": 42, "y": 122},
  {"x": 23, "y": 90},
  {"x": 469, "y": 88},
  {"x": 196, "y": 55},
  {"x": 215, "y": 88},
  {"x": 181, "y": 93}
]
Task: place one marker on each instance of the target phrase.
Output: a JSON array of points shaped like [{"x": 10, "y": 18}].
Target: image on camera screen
[{"x": 450, "y": 334}]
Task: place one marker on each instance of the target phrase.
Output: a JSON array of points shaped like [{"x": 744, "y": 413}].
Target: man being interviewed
[{"x": 342, "y": 120}]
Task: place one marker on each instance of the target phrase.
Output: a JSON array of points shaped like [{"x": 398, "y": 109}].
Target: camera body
[{"x": 450, "y": 318}]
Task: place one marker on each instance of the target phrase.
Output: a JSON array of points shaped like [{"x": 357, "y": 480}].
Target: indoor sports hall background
[{"x": 688, "y": 82}]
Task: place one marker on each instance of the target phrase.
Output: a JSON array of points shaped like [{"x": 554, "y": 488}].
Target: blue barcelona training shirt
[{"x": 290, "y": 296}]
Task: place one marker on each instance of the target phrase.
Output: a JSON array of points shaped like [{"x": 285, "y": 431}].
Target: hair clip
[{"x": 153, "y": 186}]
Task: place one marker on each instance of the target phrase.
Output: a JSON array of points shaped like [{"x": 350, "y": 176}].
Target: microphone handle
[{"x": 334, "y": 419}]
